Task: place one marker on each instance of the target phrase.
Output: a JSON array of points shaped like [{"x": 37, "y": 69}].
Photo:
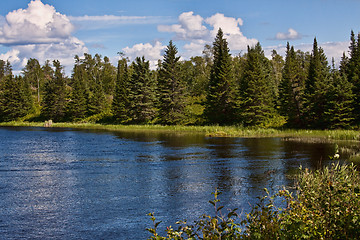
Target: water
[{"x": 72, "y": 184}]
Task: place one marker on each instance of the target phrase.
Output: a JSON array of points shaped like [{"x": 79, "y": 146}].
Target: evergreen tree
[
  {"x": 352, "y": 70},
  {"x": 96, "y": 100},
  {"x": 172, "y": 99},
  {"x": 257, "y": 102},
  {"x": 291, "y": 89},
  {"x": 316, "y": 89},
  {"x": 78, "y": 96},
  {"x": 121, "y": 101},
  {"x": 339, "y": 101},
  {"x": 33, "y": 75},
  {"x": 54, "y": 101},
  {"x": 16, "y": 99},
  {"x": 220, "y": 101},
  {"x": 143, "y": 92},
  {"x": 109, "y": 76}
]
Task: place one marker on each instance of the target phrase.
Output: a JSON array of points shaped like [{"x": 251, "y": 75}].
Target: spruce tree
[
  {"x": 220, "y": 101},
  {"x": 352, "y": 70},
  {"x": 291, "y": 89},
  {"x": 172, "y": 99},
  {"x": 16, "y": 97},
  {"x": 316, "y": 89},
  {"x": 256, "y": 97},
  {"x": 339, "y": 101},
  {"x": 121, "y": 101},
  {"x": 33, "y": 75},
  {"x": 143, "y": 92},
  {"x": 54, "y": 101},
  {"x": 78, "y": 97}
]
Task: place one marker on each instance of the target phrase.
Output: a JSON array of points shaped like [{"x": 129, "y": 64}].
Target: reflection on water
[{"x": 72, "y": 184}]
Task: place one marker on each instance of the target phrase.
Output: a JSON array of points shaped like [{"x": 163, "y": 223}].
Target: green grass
[{"x": 210, "y": 131}]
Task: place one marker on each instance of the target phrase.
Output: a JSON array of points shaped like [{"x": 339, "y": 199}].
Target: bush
[{"x": 326, "y": 206}]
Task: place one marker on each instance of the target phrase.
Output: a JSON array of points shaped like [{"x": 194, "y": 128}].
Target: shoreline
[{"x": 209, "y": 131}]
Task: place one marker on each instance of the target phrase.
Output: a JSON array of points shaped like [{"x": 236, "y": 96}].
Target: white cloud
[
  {"x": 109, "y": 21},
  {"x": 152, "y": 53},
  {"x": 39, "y": 23},
  {"x": 39, "y": 32},
  {"x": 231, "y": 29},
  {"x": 228, "y": 25},
  {"x": 290, "y": 35},
  {"x": 194, "y": 48},
  {"x": 190, "y": 27}
]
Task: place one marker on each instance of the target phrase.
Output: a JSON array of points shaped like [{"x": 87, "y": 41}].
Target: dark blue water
[{"x": 71, "y": 184}]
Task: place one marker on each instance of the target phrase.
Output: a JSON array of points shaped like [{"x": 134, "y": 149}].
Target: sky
[{"x": 49, "y": 29}]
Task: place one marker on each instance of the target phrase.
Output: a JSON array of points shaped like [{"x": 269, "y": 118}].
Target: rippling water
[{"x": 72, "y": 184}]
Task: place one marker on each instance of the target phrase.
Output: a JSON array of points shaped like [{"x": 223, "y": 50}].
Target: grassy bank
[{"x": 211, "y": 131}]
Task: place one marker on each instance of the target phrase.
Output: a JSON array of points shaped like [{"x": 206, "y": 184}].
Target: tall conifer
[
  {"x": 121, "y": 101},
  {"x": 171, "y": 88},
  {"x": 257, "y": 101},
  {"x": 220, "y": 101},
  {"x": 143, "y": 92},
  {"x": 316, "y": 89},
  {"x": 54, "y": 101}
]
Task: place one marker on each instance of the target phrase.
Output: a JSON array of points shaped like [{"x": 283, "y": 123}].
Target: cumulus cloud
[
  {"x": 39, "y": 23},
  {"x": 290, "y": 35},
  {"x": 39, "y": 32},
  {"x": 192, "y": 28},
  {"x": 151, "y": 52}
]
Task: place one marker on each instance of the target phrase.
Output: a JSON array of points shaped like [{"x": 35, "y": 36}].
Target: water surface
[{"x": 77, "y": 184}]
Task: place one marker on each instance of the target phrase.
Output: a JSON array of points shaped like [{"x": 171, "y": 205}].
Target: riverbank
[{"x": 210, "y": 131}]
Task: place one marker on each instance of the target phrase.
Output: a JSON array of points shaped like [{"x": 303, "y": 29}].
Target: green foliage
[
  {"x": 220, "y": 102},
  {"x": 340, "y": 99},
  {"x": 172, "y": 98},
  {"x": 79, "y": 95},
  {"x": 15, "y": 98},
  {"x": 142, "y": 94},
  {"x": 54, "y": 101},
  {"x": 291, "y": 89},
  {"x": 219, "y": 226},
  {"x": 121, "y": 101},
  {"x": 326, "y": 206},
  {"x": 256, "y": 98},
  {"x": 316, "y": 89}
]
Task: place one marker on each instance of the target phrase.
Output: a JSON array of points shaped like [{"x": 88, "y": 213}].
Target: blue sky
[{"x": 50, "y": 29}]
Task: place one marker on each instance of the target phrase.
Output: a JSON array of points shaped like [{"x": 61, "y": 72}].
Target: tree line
[{"x": 301, "y": 91}]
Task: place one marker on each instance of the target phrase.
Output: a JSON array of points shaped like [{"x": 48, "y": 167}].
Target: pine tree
[
  {"x": 352, "y": 70},
  {"x": 33, "y": 75},
  {"x": 78, "y": 97},
  {"x": 339, "y": 101},
  {"x": 54, "y": 101},
  {"x": 291, "y": 88},
  {"x": 121, "y": 102},
  {"x": 220, "y": 101},
  {"x": 143, "y": 92},
  {"x": 256, "y": 98},
  {"x": 316, "y": 89},
  {"x": 109, "y": 76},
  {"x": 94, "y": 81},
  {"x": 172, "y": 99},
  {"x": 16, "y": 98}
]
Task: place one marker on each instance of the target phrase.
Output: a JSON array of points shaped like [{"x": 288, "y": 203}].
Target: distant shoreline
[{"x": 210, "y": 131}]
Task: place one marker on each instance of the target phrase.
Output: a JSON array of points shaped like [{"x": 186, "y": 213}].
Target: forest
[{"x": 302, "y": 90}]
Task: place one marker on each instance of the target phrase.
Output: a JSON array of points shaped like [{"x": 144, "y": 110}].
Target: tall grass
[{"x": 210, "y": 131}]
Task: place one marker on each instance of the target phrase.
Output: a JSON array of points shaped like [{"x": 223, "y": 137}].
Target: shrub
[{"x": 326, "y": 206}]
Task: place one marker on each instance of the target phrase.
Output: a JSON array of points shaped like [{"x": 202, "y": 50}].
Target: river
[{"x": 81, "y": 184}]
